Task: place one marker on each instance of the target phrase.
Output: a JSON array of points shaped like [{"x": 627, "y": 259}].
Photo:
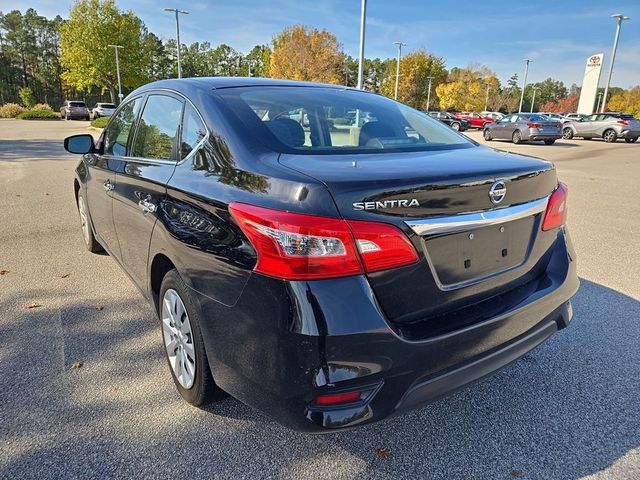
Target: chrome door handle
[
  {"x": 147, "y": 205},
  {"x": 108, "y": 186}
]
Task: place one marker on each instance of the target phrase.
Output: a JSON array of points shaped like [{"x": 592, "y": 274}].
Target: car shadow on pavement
[
  {"x": 566, "y": 410},
  {"x": 30, "y": 150}
]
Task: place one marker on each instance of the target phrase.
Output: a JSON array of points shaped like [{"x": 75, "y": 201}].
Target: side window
[
  {"x": 117, "y": 133},
  {"x": 157, "y": 131},
  {"x": 193, "y": 130}
]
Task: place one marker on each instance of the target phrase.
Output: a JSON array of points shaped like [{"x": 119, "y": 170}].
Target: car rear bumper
[
  {"x": 330, "y": 336},
  {"x": 535, "y": 135},
  {"x": 629, "y": 134}
]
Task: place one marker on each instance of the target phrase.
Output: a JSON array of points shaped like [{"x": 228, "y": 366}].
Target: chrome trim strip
[{"x": 469, "y": 221}]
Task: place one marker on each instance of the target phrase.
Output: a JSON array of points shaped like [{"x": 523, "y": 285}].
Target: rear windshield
[
  {"x": 319, "y": 120},
  {"x": 76, "y": 104},
  {"x": 106, "y": 105},
  {"x": 536, "y": 118}
]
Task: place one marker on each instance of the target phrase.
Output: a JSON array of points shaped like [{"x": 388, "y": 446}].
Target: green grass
[
  {"x": 100, "y": 122},
  {"x": 39, "y": 114}
]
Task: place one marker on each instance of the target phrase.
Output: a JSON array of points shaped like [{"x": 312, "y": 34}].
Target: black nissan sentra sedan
[{"x": 329, "y": 269}]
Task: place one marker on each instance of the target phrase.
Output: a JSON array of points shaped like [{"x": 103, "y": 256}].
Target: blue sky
[{"x": 557, "y": 35}]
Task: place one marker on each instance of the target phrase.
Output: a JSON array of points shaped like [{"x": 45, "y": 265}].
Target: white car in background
[{"x": 103, "y": 110}]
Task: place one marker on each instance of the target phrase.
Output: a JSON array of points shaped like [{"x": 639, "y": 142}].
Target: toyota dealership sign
[{"x": 590, "y": 81}]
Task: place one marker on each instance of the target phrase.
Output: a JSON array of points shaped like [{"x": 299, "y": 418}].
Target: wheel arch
[{"x": 160, "y": 266}]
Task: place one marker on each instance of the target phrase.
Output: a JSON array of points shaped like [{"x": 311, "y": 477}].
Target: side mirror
[{"x": 79, "y": 144}]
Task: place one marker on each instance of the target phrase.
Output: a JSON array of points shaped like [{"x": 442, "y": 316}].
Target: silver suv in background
[
  {"x": 74, "y": 109},
  {"x": 524, "y": 127},
  {"x": 608, "y": 126},
  {"x": 103, "y": 110}
]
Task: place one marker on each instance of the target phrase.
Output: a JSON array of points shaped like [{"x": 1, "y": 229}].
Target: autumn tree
[
  {"x": 86, "y": 55},
  {"x": 626, "y": 102},
  {"x": 466, "y": 88},
  {"x": 301, "y": 53},
  {"x": 415, "y": 70}
]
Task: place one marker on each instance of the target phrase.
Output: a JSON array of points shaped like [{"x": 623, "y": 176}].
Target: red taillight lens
[
  {"x": 556, "y": 213},
  {"x": 623, "y": 122},
  {"x": 295, "y": 246},
  {"x": 382, "y": 246},
  {"x": 338, "y": 398},
  {"x": 534, "y": 125}
]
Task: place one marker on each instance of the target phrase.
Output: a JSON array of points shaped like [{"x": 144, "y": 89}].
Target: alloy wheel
[
  {"x": 609, "y": 136},
  {"x": 455, "y": 126},
  {"x": 567, "y": 133},
  {"x": 178, "y": 338}
]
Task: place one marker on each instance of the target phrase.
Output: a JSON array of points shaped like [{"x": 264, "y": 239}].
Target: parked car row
[
  {"x": 78, "y": 109},
  {"x": 523, "y": 127}
]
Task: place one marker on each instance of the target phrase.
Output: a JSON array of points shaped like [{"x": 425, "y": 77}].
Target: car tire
[
  {"x": 631, "y": 140},
  {"x": 609, "y": 135},
  {"x": 455, "y": 126},
  {"x": 567, "y": 133},
  {"x": 487, "y": 135},
  {"x": 183, "y": 343},
  {"x": 516, "y": 138},
  {"x": 549, "y": 142},
  {"x": 87, "y": 230}
]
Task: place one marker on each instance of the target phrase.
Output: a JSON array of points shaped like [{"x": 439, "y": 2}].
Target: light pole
[
  {"x": 429, "y": 93},
  {"x": 533, "y": 99},
  {"x": 177, "y": 12},
  {"x": 399, "y": 45},
  {"x": 116, "y": 48},
  {"x": 620, "y": 19},
  {"x": 363, "y": 17},
  {"x": 598, "y": 103},
  {"x": 524, "y": 84}
]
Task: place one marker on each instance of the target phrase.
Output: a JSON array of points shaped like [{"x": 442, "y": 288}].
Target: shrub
[
  {"x": 10, "y": 110},
  {"x": 34, "y": 114},
  {"x": 100, "y": 122},
  {"x": 26, "y": 95},
  {"x": 42, "y": 106}
]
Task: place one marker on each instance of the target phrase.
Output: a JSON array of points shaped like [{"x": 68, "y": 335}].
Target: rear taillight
[
  {"x": 338, "y": 398},
  {"x": 556, "y": 213},
  {"x": 295, "y": 246},
  {"x": 623, "y": 122},
  {"x": 534, "y": 125}
]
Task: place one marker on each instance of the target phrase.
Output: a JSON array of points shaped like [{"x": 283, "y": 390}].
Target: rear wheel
[
  {"x": 487, "y": 135},
  {"x": 567, "y": 133},
  {"x": 549, "y": 142},
  {"x": 610, "y": 136},
  {"x": 455, "y": 126},
  {"x": 631, "y": 140},
  {"x": 184, "y": 346},
  {"x": 516, "y": 137},
  {"x": 87, "y": 232}
]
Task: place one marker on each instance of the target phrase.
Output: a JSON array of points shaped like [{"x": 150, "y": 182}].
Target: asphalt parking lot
[{"x": 570, "y": 409}]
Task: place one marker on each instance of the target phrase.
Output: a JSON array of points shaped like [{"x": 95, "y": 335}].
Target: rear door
[
  {"x": 142, "y": 182},
  {"x": 103, "y": 168}
]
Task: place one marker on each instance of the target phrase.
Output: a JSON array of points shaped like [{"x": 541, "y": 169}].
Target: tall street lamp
[
  {"x": 620, "y": 18},
  {"x": 524, "y": 84},
  {"x": 363, "y": 17},
  {"x": 177, "y": 12},
  {"x": 533, "y": 99},
  {"x": 399, "y": 45},
  {"x": 116, "y": 48},
  {"x": 429, "y": 93}
]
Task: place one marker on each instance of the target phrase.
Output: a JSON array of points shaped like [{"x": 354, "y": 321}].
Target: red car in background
[{"x": 475, "y": 119}]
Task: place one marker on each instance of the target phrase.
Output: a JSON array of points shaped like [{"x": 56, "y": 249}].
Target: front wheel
[
  {"x": 87, "y": 232},
  {"x": 516, "y": 137},
  {"x": 631, "y": 140},
  {"x": 567, "y": 133},
  {"x": 455, "y": 126},
  {"x": 610, "y": 136},
  {"x": 549, "y": 142},
  {"x": 183, "y": 343},
  {"x": 487, "y": 135}
]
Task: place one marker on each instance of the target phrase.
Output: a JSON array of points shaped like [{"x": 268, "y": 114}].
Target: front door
[{"x": 141, "y": 184}]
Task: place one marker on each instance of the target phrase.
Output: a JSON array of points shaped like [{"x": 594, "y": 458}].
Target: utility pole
[
  {"x": 399, "y": 45},
  {"x": 429, "y": 93},
  {"x": 363, "y": 18},
  {"x": 116, "y": 48},
  {"x": 177, "y": 12},
  {"x": 533, "y": 99},
  {"x": 620, "y": 19},
  {"x": 524, "y": 83}
]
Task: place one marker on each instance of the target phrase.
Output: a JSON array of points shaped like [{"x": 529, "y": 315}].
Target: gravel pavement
[{"x": 570, "y": 409}]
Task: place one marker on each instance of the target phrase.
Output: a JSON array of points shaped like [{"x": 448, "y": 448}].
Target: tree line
[{"x": 49, "y": 60}]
